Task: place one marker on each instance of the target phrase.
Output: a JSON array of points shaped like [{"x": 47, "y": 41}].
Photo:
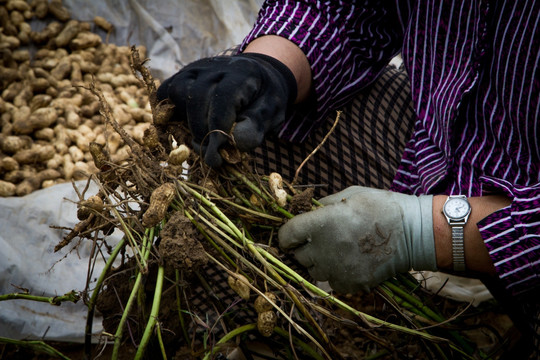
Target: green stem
[
  {"x": 127, "y": 309},
  {"x": 95, "y": 294},
  {"x": 223, "y": 226},
  {"x": 129, "y": 236},
  {"x": 408, "y": 280},
  {"x": 35, "y": 345},
  {"x": 401, "y": 302},
  {"x": 138, "y": 281},
  {"x": 160, "y": 341},
  {"x": 366, "y": 317},
  {"x": 153, "y": 314},
  {"x": 228, "y": 337},
  {"x": 224, "y": 222},
  {"x": 291, "y": 294},
  {"x": 299, "y": 328},
  {"x": 72, "y": 296},
  {"x": 255, "y": 212},
  {"x": 207, "y": 237},
  {"x": 214, "y": 238},
  {"x": 298, "y": 278},
  {"x": 411, "y": 308},
  {"x": 214, "y": 209},
  {"x": 245, "y": 201},
  {"x": 304, "y": 346},
  {"x": 258, "y": 191},
  {"x": 405, "y": 304},
  {"x": 424, "y": 310}
]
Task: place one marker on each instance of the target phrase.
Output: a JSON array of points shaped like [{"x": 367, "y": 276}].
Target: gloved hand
[
  {"x": 362, "y": 236},
  {"x": 211, "y": 94}
]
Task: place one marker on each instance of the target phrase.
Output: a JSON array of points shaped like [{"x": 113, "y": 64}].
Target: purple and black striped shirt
[{"x": 474, "y": 70}]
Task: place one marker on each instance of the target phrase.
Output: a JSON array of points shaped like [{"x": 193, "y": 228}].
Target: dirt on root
[
  {"x": 302, "y": 202},
  {"x": 180, "y": 246}
]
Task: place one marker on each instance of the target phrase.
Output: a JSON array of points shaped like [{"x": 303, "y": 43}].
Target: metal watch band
[
  {"x": 458, "y": 248},
  {"x": 457, "y": 209}
]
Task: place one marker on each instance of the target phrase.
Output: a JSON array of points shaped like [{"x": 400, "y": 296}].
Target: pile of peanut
[{"x": 48, "y": 115}]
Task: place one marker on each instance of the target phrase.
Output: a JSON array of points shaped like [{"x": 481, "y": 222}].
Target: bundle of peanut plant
[{"x": 179, "y": 217}]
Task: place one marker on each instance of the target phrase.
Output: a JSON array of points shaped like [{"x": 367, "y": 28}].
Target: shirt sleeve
[
  {"x": 512, "y": 235},
  {"x": 347, "y": 46}
]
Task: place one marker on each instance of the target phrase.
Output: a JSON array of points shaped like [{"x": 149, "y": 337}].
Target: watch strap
[
  {"x": 457, "y": 226},
  {"x": 458, "y": 248}
]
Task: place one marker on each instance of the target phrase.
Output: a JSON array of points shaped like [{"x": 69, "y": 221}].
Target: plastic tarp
[{"x": 28, "y": 261}]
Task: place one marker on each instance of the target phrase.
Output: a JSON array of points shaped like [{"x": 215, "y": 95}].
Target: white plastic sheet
[
  {"x": 454, "y": 287},
  {"x": 28, "y": 260}
]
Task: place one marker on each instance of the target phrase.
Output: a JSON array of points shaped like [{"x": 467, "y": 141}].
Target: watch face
[{"x": 456, "y": 208}]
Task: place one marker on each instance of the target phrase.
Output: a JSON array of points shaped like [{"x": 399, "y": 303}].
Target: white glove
[{"x": 363, "y": 236}]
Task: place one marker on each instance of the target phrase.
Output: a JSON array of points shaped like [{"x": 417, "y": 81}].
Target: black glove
[{"x": 214, "y": 93}]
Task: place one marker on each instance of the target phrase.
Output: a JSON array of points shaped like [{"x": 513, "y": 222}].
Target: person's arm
[
  {"x": 289, "y": 54},
  {"x": 363, "y": 236},
  {"x": 347, "y": 47},
  {"x": 477, "y": 258}
]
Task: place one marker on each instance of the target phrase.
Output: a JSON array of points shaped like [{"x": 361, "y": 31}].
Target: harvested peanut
[
  {"x": 179, "y": 155},
  {"x": 266, "y": 321},
  {"x": 9, "y": 164},
  {"x": 58, "y": 10},
  {"x": 160, "y": 200},
  {"x": 262, "y": 304},
  {"x": 36, "y": 154},
  {"x": 103, "y": 23},
  {"x": 86, "y": 207},
  {"x": 85, "y": 40},
  {"x": 33, "y": 183},
  {"x": 7, "y": 188},
  {"x": 239, "y": 283},
  {"x": 275, "y": 183},
  {"x": 48, "y": 115}
]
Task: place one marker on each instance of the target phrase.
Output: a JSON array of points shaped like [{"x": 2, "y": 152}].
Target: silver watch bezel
[{"x": 462, "y": 218}]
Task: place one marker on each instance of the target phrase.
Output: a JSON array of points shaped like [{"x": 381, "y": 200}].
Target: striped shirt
[{"x": 474, "y": 71}]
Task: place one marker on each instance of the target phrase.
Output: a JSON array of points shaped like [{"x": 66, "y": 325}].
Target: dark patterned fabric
[{"x": 364, "y": 148}]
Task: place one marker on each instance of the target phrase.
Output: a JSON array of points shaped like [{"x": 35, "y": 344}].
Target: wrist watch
[{"x": 457, "y": 209}]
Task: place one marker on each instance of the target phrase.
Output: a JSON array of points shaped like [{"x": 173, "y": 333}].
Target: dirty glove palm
[
  {"x": 212, "y": 94},
  {"x": 362, "y": 236}
]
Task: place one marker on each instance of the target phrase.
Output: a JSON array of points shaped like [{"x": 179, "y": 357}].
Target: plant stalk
[
  {"x": 153, "y": 314},
  {"x": 72, "y": 296},
  {"x": 35, "y": 345},
  {"x": 131, "y": 300},
  {"x": 95, "y": 294}
]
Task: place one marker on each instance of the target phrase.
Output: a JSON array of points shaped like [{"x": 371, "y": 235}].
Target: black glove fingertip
[
  {"x": 212, "y": 156},
  {"x": 213, "y": 159},
  {"x": 247, "y": 136}
]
